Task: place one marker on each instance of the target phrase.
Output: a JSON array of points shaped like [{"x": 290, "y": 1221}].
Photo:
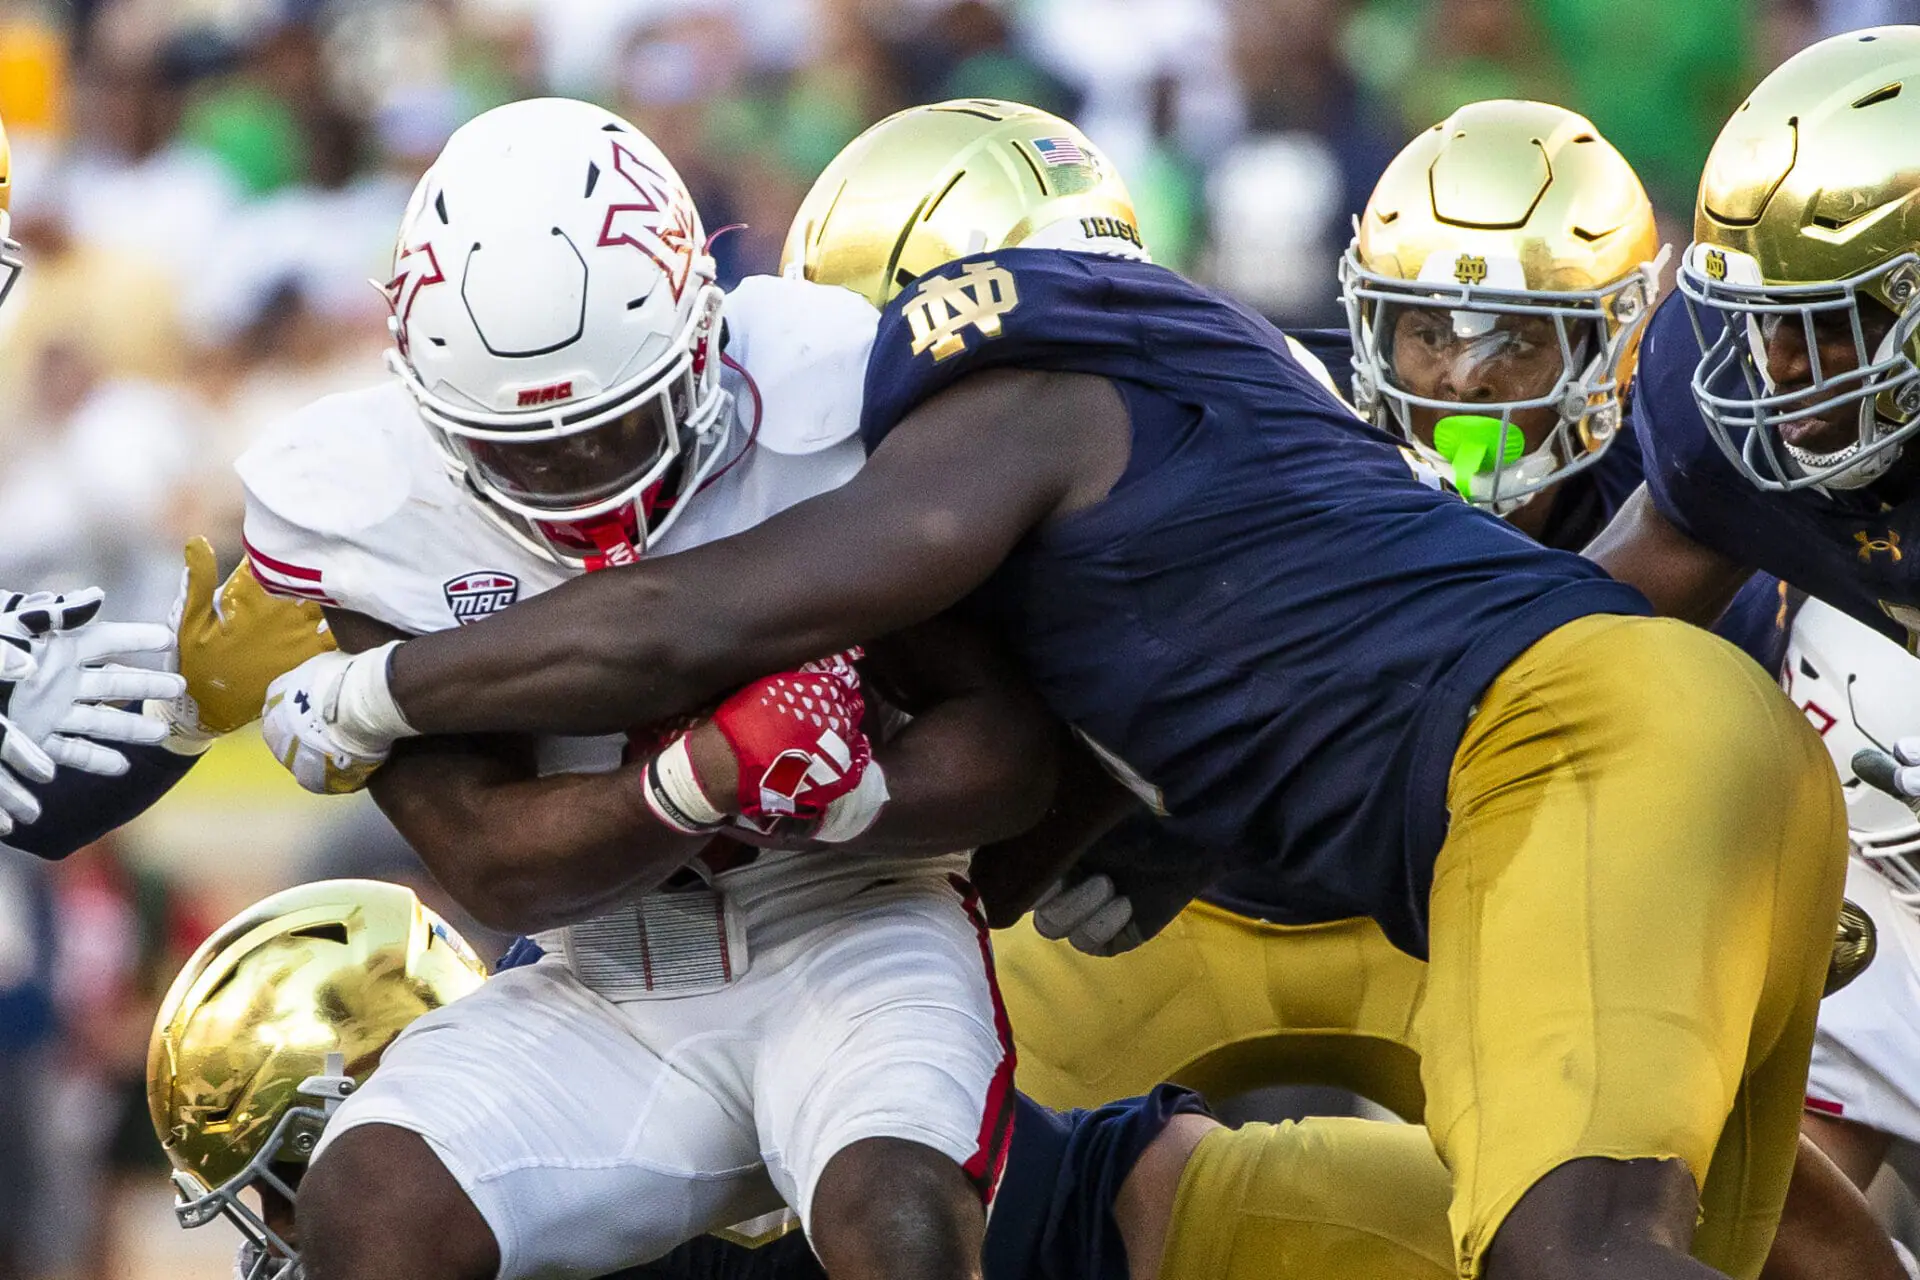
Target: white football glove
[
  {"x": 331, "y": 722},
  {"x": 54, "y": 677},
  {"x": 1090, "y": 913}
]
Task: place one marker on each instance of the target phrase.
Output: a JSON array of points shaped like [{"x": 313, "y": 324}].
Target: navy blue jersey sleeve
[
  {"x": 78, "y": 808},
  {"x": 983, "y": 312},
  {"x": 1760, "y": 619},
  {"x": 1690, "y": 481}
]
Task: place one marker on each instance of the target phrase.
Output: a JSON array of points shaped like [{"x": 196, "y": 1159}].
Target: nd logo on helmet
[
  {"x": 1716, "y": 265},
  {"x": 946, "y": 305},
  {"x": 1470, "y": 268}
]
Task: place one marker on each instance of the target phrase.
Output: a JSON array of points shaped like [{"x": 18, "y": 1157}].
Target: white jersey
[
  {"x": 350, "y": 504},
  {"x": 855, "y": 998},
  {"x": 1866, "y": 1055}
]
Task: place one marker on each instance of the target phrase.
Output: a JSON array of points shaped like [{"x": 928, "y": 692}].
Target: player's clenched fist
[
  {"x": 309, "y": 709},
  {"x": 799, "y": 755}
]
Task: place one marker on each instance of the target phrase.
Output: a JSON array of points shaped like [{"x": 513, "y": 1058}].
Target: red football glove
[
  {"x": 797, "y": 738},
  {"x": 801, "y": 755}
]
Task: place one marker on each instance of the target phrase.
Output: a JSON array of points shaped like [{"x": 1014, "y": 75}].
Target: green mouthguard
[{"x": 1469, "y": 441}]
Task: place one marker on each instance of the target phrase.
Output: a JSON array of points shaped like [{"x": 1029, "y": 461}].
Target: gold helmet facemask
[
  {"x": 1808, "y": 217},
  {"x": 931, "y": 184},
  {"x": 1517, "y": 248},
  {"x": 11, "y": 264},
  {"x": 275, "y": 1019}
]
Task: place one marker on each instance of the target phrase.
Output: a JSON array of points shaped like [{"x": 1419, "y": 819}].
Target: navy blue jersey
[
  {"x": 1052, "y": 1219},
  {"x": 1272, "y": 623},
  {"x": 1844, "y": 546},
  {"x": 78, "y": 808},
  {"x": 1583, "y": 503}
]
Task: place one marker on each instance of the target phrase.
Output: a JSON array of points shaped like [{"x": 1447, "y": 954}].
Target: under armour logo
[
  {"x": 946, "y": 305},
  {"x": 1886, "y": 545},
  {"x": 300, "y": 701}
]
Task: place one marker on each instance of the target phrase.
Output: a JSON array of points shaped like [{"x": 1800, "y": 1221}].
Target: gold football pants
[
  {"x": 1629, "y": 925},
  {"x": 1324, "y": 1199},
  {"x": 1220, "y": 1003}
]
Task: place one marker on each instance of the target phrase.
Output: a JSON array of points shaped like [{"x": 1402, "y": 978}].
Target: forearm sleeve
[{"x": 78, "y": 808}]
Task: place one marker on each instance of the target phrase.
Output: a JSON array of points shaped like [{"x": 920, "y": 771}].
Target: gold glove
[{"x": 233, "y": 644}]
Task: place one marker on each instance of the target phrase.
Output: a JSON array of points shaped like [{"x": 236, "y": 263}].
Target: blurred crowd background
[{"x": 205, "y": 187}]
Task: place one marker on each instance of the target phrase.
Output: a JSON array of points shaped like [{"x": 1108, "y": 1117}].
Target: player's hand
[
  {"x": 61, "y": 706},
  {"x": 799, "y": 753},
  {"x": 1089, "y": 912},
  {"x": 1905, "y": 774},
  {"x": 301, "y": 721},
  {"x": 233, "y": 641}
]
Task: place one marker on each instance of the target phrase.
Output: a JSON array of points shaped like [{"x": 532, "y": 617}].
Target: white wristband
[
  {"x": 673, "y": 792},
  {"x": 364, "y": 717},
  {"x": 849, "y": 817}
]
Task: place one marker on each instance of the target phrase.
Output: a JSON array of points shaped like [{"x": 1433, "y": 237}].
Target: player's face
[
  {"x": 579, "y": 469},
  {"x": 1496, "y": 359},
  {"x": 1790, "y": 367}
]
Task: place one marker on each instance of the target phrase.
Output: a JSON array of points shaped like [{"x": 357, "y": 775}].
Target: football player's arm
[
  {"x": 521, "y": 852},
  {"x": 939, "y": 505},
  {"x": 1012, "y": 874},
  {"x": 78, "y": 808},
  {"x": 1682, "y": 578},
  {"x": 231, "y": 638},
  {"x": 1827, "y": 1228},
  {"x": 978, "y": 760}
]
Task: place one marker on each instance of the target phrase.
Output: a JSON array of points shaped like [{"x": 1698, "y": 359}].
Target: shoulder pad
[
  {"x": 805, "y": 347},
  {"x": 338, "y": 465}
]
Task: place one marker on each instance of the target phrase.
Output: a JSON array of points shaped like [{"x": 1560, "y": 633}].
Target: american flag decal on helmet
[
  {"x": 475, "y": 595},
  {"x": 1060, "y": 151}
]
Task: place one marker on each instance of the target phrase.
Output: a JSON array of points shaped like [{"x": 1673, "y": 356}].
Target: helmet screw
[
  {"x": 303, "y": 1143},
  {"x": 346, "y": 1087}
]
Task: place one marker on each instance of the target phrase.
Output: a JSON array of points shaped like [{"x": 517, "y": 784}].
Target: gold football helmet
[
  {"x": 931, "y": 184},
  {"x": 1809, "y": 208},
  {"x": 1495, "y": 290},
  {"x": 10, "y": 263},
  {"x": 279, "y": 1015}
]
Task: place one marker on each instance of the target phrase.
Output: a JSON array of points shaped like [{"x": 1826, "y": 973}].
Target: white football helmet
[
  {"x": 556, "y": 318},
  {"x": 1860, "y": 689}
]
